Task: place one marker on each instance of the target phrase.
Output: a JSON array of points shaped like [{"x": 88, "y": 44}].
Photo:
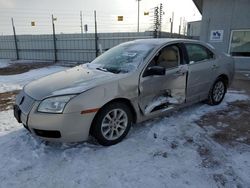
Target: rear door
[
  {"x": 161, "y": 92},
  {"x": 202, "y": 68}
]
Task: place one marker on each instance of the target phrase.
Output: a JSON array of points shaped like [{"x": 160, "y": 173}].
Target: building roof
[{"x": 198, "y": 4}]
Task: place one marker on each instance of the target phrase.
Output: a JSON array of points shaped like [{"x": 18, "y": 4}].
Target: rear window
[{"x": 198, "y": 53}]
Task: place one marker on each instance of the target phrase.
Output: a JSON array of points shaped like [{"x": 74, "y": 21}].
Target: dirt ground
[
  {"x": 233, "y": 124},
  {"x": 7, "y": 100},
  {"x": 18, "y": 68}
]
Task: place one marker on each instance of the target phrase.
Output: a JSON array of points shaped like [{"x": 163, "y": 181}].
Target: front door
[{"x": 162, "y": 92}]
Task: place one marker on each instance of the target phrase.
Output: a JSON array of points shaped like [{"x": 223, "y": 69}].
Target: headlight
[{"x": 54, "y": 104}]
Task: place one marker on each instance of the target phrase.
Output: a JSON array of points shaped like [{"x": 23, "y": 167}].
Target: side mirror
[{"x": 155, "y": 70}]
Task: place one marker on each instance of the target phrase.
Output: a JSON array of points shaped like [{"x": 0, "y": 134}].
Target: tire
[
  {"x": 112, "y": 124},
  {"x": 217, "y": 92}
]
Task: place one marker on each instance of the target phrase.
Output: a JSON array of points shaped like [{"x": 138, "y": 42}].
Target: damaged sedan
[{"x": 130, "y": 83}]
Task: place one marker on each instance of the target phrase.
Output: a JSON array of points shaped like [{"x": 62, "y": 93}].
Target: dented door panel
[
  {"x": 159, "y": 93},
  {"x": 168, "y": 90}
]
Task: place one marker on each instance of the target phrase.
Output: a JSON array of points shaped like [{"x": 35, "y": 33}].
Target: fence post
[
  {"x": 138, "y": 17},
  {"x": 81, "y": 22},
  {"x": 15, "y": 39},
  {"x": 54, "y": 38},
  {"x": 180, "y": 26},
  {"x": 172, "y": 24},
  {"x": 96, "y": 37}
]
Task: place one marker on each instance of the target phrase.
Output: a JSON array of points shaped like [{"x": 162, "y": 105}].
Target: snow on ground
[
  {"x": 245, "y": 75},
  {"x": 166, "y": 152},
  {"x": 7, "y": 62},
  {"x": 16, "y": 82},
  {"x": 4, "y": 63}
]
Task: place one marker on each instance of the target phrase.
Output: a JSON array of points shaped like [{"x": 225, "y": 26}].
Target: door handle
[
  {"x": 215, "y": 66},
  {"x": 180, "y": 73},
  {"x": 182, "y": 70}
]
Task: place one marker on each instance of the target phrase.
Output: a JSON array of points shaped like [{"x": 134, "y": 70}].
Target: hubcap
[
  {"x": 114, "y": 124},
  {"x": 218, "y": 92}
]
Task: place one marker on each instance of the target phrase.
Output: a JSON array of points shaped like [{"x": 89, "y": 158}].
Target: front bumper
[{"x": 69, "y": 127}]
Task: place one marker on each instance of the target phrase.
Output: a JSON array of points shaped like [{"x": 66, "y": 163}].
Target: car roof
[{"x": 162, "y": 41}]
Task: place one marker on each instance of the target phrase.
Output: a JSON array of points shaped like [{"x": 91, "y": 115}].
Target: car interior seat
[{"x": 169, "y": 58}]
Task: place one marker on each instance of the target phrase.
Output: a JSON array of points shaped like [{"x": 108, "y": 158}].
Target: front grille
[
  {"x": 47, "y": 134},
  {"x": 25, "y": 102}
]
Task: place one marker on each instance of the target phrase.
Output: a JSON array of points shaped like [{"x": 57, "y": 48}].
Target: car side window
[
  {"x": 168, "y": 57},
  {"x": 198, "y": 53}
]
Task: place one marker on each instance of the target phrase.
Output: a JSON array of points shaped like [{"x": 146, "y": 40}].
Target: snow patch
[
  {"x": 242, "y": 165},
  {"x": 8, "y": 122},
  {"x": 5, "y": 63},
  {"x": 232, "y": 96},
  {"x": 16, "y": 82}
]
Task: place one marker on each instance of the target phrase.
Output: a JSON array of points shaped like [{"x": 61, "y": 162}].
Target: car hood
[{"x": 71, "y": 81}]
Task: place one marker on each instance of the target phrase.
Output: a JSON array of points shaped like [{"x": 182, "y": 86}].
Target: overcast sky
[{"x": 67, "y": 13}]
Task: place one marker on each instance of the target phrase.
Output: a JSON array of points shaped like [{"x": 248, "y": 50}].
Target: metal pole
[
  {"x": 15, "y": 39},
  {"x": 160, "y": 19},
  {"x": 54, "y": 39},
  {"x": 81, "y": 22},
  {"x": 180, "y": 26},
  {"x": 172, "y": 23},
  {"x": 96, "y": 37},
  {"x": 138, "y": 17},
  {"x": 184, "y": 26}
]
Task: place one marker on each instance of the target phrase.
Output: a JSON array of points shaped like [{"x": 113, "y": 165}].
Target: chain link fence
[
  {"x": 74, "y": 37},
  {"x": 68, "y": 47}
]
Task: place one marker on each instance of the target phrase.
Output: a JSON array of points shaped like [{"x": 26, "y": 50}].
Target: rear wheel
[
  {"x": 217, "y": 92},
  {"x": 112, "y": 123}
]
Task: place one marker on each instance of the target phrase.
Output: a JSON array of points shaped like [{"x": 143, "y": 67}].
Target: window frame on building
[{"x": 230, "y": 44}]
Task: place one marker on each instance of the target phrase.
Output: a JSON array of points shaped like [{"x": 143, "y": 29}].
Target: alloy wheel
[
  {"x": 218, "y": 91},
  {"x": 114, "y": 124}
]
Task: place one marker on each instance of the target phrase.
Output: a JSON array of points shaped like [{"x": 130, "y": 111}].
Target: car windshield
[{"x": 123, "y": 58}]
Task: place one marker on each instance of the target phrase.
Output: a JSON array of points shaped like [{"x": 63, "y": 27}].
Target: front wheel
[
  {"x": 112, "y": 123},
  {"x": 217, "y": 92}
]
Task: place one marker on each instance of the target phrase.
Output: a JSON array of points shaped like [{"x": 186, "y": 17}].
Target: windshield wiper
[
  {"x": 102, "y": 69},
  {"x": 112, "y": 70}
]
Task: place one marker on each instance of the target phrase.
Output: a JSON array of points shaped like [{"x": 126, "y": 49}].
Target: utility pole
[
  {"x": 180, "y": 26},
  {"x": 81, "y": 22},
  {"x": 96, "y": 37},
  {"x": 156, "y": 22},
  {"x": 138, "y": 17},
  {"x": 15, "y": 39},
  {"x": 184, "y": 26},
  {"x": 160, "y": 19},
  {"x": 172, "y": 23},
  {"x": 54, "y": 37}
]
